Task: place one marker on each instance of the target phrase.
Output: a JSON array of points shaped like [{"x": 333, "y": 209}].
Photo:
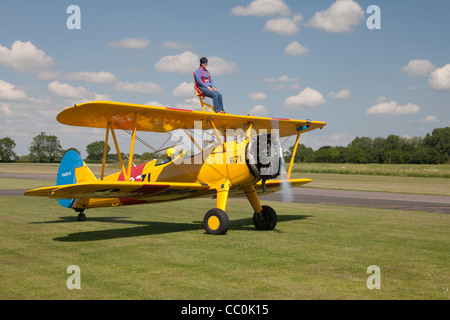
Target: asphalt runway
[{"x": 377, "y": 200}]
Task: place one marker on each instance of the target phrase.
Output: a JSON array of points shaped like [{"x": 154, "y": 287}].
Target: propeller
[{"x": 286, "y": 189}]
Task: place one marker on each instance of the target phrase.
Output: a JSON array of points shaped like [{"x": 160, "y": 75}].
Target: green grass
[
  {"x": 400, "y": 170},
  {"x": 396, "y": 184},
  {"x": 161, "y": 251},
  {"x": 14, "y": 184}
]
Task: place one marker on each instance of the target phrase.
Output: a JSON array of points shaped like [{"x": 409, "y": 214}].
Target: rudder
[{"x": 72, "y": 170}]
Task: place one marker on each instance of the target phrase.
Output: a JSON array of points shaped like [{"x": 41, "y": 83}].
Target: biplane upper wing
[
  {"x": 98, "y": 114},
  {"x": 120, "y": 189}
]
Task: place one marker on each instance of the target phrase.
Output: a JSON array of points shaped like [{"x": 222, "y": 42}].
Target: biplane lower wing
[{"x": 105, "y": 190}]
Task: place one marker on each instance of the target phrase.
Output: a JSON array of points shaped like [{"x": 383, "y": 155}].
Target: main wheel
[
  {"x": 216, "y": 222},
  {"x": 266, "y": 220}
]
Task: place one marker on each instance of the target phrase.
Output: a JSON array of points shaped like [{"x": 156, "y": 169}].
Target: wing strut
[
  {"x": 118, "y": 151},
  {"x": 105, "y": 151},
  {"x": 299, "y": 130},
  {"x": 293, "y": 155},
  {"x": 133, "y": 138}
]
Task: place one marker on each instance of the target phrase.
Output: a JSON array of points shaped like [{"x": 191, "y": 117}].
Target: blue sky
[{"x": 294, "y": 59}]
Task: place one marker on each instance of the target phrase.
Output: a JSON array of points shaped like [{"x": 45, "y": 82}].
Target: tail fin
[{"x": 72, "y": 170}]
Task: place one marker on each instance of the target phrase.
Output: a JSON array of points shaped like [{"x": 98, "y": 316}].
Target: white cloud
[
  {"x": 430, "y": 119},
  {"x": 257, "y": 95},
  {"x": 187, "y": 62},
  {"x": 308, "y": 98},
  {"x": 141, "y": 87},
  {"x": 345, "y": 93},
  {"x": 440, "y": 79},
  {"x": 341, "y": 16},
  {"x": 157, "y": 104},
  {"x": 295, "y": 49},
  {"x": 184, "y": 63},
  {"x": 74, "y": 95},
  {"x": 190, "y": 104},
  {"x": 418, "y": 68},
  {"x": 64, "y": 90},
  {"x": 220, "y": 66},
  {"x": 9, "y": 92},
  {"x": 259, "y": 110},
  {"x": 6, "y": 109},
  {"x": 284, "y": 26},
  {"x": 177, "y": 45},
  {"x": 184, "y": 90},
  {"x": 262, "y": 8},
  {"x": 98, "y": 77},
  {"x": 393, "y": 107},
  {"x": 25, "y": 57},
  {"x": 130, "y": 43},
  {"x": 284, "y": 78}
]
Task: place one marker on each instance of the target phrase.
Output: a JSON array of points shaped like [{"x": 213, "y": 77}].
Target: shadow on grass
[{"x": 147, "y": 228}]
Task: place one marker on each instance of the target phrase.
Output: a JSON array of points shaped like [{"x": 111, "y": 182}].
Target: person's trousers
[{"x": 216, "y": 96}]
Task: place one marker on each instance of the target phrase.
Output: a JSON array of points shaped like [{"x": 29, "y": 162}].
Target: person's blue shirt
[{"x": 198, "y": 78}]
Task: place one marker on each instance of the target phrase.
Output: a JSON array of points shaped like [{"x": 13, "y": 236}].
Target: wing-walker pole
[
  {"x": 293, "y": 155},
  {"x": 133, "y": 138},
  {"x": 105, "y": 151}
]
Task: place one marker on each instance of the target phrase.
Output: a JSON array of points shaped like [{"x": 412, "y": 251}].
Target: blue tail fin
[{"x": 72, "y": 170}]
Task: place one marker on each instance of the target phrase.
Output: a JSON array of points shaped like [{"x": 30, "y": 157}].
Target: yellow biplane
[{"x": 246, "y": 158}]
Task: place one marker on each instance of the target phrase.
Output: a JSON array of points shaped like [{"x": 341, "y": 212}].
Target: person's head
[
  {"x": 171, "y": 152},
  {"x": 203, "y": 62}
]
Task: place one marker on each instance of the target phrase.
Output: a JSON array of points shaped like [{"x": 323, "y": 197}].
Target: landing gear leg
[
  {"x": 216, "y": 220},
  {"x": 264, "y": 218}
]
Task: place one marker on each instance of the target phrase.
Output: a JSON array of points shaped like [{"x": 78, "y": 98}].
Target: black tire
[
  {"x": 81, "y": 216},
  {"x": 216, "y": 222},
  {"x": 266, "y": 220}
]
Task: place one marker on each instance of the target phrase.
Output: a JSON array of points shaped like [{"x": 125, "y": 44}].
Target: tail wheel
[
  {"x": 216, "y": 222},
  {"x": 266, "y": 220},
  {"x": 81, "y": 215}
]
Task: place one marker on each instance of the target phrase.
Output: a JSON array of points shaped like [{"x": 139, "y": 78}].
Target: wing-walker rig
[{"x": 245, "y": 158}]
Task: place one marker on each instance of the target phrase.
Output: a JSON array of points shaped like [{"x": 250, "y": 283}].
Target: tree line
[
  {"x": 47, "y": 149},
  {"x": 434, "y": 148}
]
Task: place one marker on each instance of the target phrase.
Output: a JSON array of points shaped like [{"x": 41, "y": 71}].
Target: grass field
[
  {"x": 161, "y": 251},
  {"x": 373, "y": 169}
]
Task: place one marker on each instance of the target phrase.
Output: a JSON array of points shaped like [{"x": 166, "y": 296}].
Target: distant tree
[
  {"x": 393, "y": 157},
  {"x": 45, "y": 148},
  {"x": 326, "y": 154},
  {"x": 149, "y": 156},
  {"x": 95, "y": 150},
  {"x": 70, "y": 149},
  {"x": 440, "y": 141},
  {"x": 424, "y": 155},
  {"x": 355, "y": 155},
  {"x": 6, "y": 149},
  {"x": 304, "y": 154}
]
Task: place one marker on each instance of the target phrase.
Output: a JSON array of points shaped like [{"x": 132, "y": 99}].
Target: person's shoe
[{"x": 221, "y": 112}]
